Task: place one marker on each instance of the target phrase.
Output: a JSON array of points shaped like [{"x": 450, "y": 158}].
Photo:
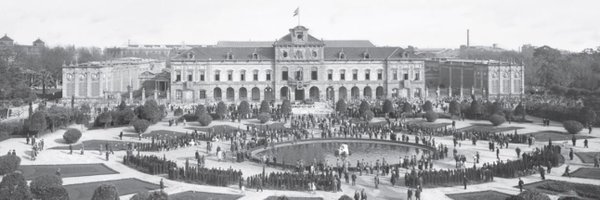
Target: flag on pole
[{"x": 297, "y": 11}]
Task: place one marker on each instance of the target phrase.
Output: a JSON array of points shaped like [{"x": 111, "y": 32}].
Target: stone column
[
  {"x": 156, "y": 94},
  {"x": 88, "y": 84},
  {"x": 143, "y": 94},
  {"x": 76, "y": 82}
]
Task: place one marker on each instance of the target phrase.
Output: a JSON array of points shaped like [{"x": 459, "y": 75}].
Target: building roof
[
  {"x": 348, "y": 43},
  {"x": 287, "y": 39},
  {"x": 328, "y": 43},
  {"x": 220, "y": 53},
  {"x": 6, "y": 38},
  {"x": 360, "y": 53},
  {"x": 244, "y": 44},
  {"x": 38, "y": 41}
]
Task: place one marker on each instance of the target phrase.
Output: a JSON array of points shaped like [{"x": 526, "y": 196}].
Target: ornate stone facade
[{"x": 297, "y": 67}]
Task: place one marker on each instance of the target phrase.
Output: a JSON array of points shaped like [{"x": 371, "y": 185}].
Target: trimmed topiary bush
[
  {"x": 264, "y": 107},
  {"x": 221, "y": 110},
  {"x": 72, "y": 135},
  {"x": 533, "y": 195},
  {"x": 141, "y": 125},
  {"x": 40, "y": 186},
  {"x": 106, "y": 192},
  {"x": 497, "y": 119},
  {"x": 368, "y": 115},
  {"x": 341, "y": 106},
  {"x": 204, "y": 119},
  {"x": 431, "y": 116},
  {"x": 345, "y": 197},
  {"x": 572, "y": 126},
  {"x": 364, "y": 106},
  {"x": 244, "y": 108},
  {"x": 14, "y": 186},
  {"x": 428, "y": 106},
  {"x": 388, "y": 107},
  {"x": 286, "y": 107},
  {"x": 454, "y": 108},
  {"x": 57, "y": 192},
  {"x": 264, "y": 117},
  {"x": 9, "y": 163}
]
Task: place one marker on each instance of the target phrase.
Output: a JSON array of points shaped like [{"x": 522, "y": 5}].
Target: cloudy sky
[{"x": 571, "y": 25}]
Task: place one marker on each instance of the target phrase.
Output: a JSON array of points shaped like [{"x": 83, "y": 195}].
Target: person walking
[
  {"x": 571, "y": 154},
  {"x": 356, "y": 195},
  {"x": 377, "y": 181},
  {"x": 363, "y": 194},
  {"x": 574, "y": 140},
  {"x": 520, "y": 185},
  {"x": 585, "y": 143},
  {"x": 409, "y": 194}
]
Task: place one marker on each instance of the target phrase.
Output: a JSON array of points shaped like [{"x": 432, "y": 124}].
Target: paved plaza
[{"x": 80, "y": 171}]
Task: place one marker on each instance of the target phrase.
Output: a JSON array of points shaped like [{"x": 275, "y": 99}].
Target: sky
[{"x": 570, "y": 25}]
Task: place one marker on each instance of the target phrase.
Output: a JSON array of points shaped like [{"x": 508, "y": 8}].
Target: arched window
[
  {"x": 314, "y": 54},
  {"x": 366, "y": 55},
  {"x": 229, "y": 56},
  {"x": 342, "y": 55},
  {"x": 285, "y": 54},
  {"x": 255, "y": 56}
]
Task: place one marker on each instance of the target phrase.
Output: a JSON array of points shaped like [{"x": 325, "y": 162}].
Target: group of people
[{"x": 36, "y": 146}]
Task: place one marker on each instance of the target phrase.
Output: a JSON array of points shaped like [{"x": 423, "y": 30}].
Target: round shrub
[
  {"x": 264, "y": 117},
  {"x": 40, "y": 186},
  {"x": 204, "y": 119},
  {"x": 14, "y": 186},
  {"x": 497, "y": 119},
  {"x": 388, "y": 107},
  {"x": 345, "y": 197},
  {"x": 9, "y": 163},
  {"x": 431, "y": 116},
  {"x": 428, "y": 106},
  {"x": 57, "y": 192},
  {"x": 143, "y": 195},
  {"x": 572, "y": 126},
  {"x": 178, "y": 112},
  {"x": 106, "y": 192},
  {"x": 244, "y": 108},
  {"x": 158, "y": 195},
  {"x": 72, "y": 135},
  {"x": 188, "y": 118},
  {"x": 141, "y": 125},
  {"x": 533, "y": 195},
  {"x": 369, "y": 115}
]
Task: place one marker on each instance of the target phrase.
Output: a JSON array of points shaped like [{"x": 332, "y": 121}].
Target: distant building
[
  {"x": 149, "y": 51},
  {"x": 297, "y": 67},
  {"x": 108, "y": 79},
  {"x": 458, "y": 77},
  {"x": 9, "y": 49}
]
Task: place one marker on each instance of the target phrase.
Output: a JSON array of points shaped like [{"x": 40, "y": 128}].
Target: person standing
[
  {"x": 418, "y": 193},
  {"x": 353, "y": 179},
  {"x": 356, "y": 195},
  {"x": 377, "y": 181},
  {"x": 58, "y": 172},
  {"x": 585, "y": 143},
  {"x": 107, "y": 154},
  {"x": 571, "y": 154},
  {"x": 590, "y": 128},
  {"x": 520, "y": 185},
  {"x": 542, "y": 173},
  {"x": 497, "y": 153},
  {"x": 409, "y": 194},
  {"x": 596, "y": 162},
  {"x": 162, "y": 185},
  {"x": 363, "y": 194},
  {"x": 121, "y": 135},
  {"x": 465, "y": 180},
  {"x": 574, "y": 140},
  {"x": 70, "y": 149}
]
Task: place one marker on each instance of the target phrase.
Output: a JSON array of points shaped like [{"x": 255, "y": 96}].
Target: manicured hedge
[
  {"x": 106, "y": 192},
  {"x": 40, "y": 186},
  {"x": 264, "y": 117},
  {"x": 431, "y": 116},
  {"x": 72, "y": 136},
  {"x": 497, "y": 119},
  {"x": 572, "y": 126},
  {"x": 9, "y": 163},
  {"x": 14, "y": 186}
]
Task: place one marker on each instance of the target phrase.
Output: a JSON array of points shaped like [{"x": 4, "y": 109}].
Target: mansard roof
[
  {"x": 6, "y": 38},
  {"x": 221, "y": 53},
  {"x": 360, "y": 53},
  {"x": 287, "y": 39}
]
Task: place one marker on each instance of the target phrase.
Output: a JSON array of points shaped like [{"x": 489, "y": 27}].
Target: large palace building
[{"x": 297, "y": 67}]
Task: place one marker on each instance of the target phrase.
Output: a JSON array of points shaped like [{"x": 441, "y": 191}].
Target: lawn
[
  {"x": 587, "y": 157},
  {"x": 193, "y": 195},
  {"x": 273, "y": 126},
  {"x": 585, "y": 191},
  {"x": 294, "y": 198},
  {"x": 163, "y": 133},
  {"x": 489, "y": 128},
  {"x": 124, "y": 187},
  {"x": 429, "y": 125},
  {"x": 487, "y": 195},
  {"x": 73, "y": 170},
  {"x": 557, "y": 136},
  {"x": 593, "y": 173},
  {"x": 215, "y": 129},
  {"x": 94, "y": 145}
]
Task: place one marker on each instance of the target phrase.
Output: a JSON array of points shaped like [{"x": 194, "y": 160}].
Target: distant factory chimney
[{"x": 467, "y": 37}]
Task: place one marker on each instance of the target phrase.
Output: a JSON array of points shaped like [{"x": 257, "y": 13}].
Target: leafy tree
[
  {"x": 407, "y": 108},
  {"x": 587, "y": 115},
  {"x": 200, "y": 109},
  {"x": 264, "y": 117},
  {"x": 345, "y": 197},
  {"x": 9, "y": 163},
  {"x": 14, "y": 186},
  {"x": 388, "y": 107},
  {"x": 520, "y": 110},
  {"x": 476, "y": 109},
  {"x": 244, "y": 108},
  {"x": 126, "y": 116},
  {"x": 204, "y": 119},
  {"x": 40, "y": 186},
  {"x": 221, "y": 110},
  {"x": 454, "y": 108},
  {"x": 264, "y": 107},
  {"x": 141, "y": 125},
  {"x": 341, "y": 106},
  {"x": 122, "y": 105},
  {"x": 72, "y": 135},
  {"x": 364, "y": 106},
  {"x": 427, "y": 106},
  {"x": 57, "y": 193},
  {"x": 431, "y": 116},
  {"x": 104, "y": 119},
  {"x": 286, "y": 107},
  {"x": 533, "y": 195},
  {"x": 151, "y": 111},
  {"x": 106, "y": 192},
  {"x": 37, "y": 122},
  {"x": 81, "y": 117},
  {"x": 497, "y": 119},
  {"x": 572, "y": 126}
]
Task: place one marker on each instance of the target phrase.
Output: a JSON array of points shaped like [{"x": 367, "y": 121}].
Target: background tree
[
  {"x": 341, "y": 106},
  {"x": 427, "y": 106},
  {"x": 150, "y": 111},
  {"x": 244, "y": 109},
  {"x": 286, "y": 107},
  {"x": 178, "y": 112},
  {"x": 104, "y": 119},
  {"x": 264, "y": 117},
  {"x": 454, "y": 108},
  {"x": 388, "y": 107},
  {"x": 37, "y": 122},
  {"x": 407, "y": 108},
  {"x": 122, "y": 105},
  {"x": 141, "y": 125},
  {"x": 364, "y": 106},
  {"x": 520, "y": 110},
  {"x": 14, "y": 186},
  {"x": 221, "y": 110},
  {"x": 106, "y": 192},
  {"x": 264, "y": 107},
  {"x": 587, "y": 115}
]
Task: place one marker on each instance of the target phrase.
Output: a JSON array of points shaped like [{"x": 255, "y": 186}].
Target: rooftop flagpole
[{"x": 297, "y": 13}]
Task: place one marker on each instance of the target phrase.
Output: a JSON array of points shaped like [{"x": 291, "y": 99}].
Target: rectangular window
[
  {"x": 242, "y": 77},
  {"x": 343, "y": 76},
  {"x": 313, "y": 75},
  {"x": 255, "y": 76},
  {"x": 330, "y": 76},
  {"x": 268, "y": 76},
  {"x": 405, "y": 76},
  {"x": 379, "y": 76},
  {"x": 202, "y": 94},
  {"x": 201, "y": 75},
  {"x": 178, "y": 94},
  {"x": 417, "y": 76},
  {"x": 190, "y": 77},
  {"x": 230, "y": 76},
  {"x": 217, "y": 77},
  {"x": 355, "y": 76},
  {"x": 284, "y": 75},
  {"x": 368, "y": 76},
  {"x": 178, "y": 76},
  {"x": 395, "y": 75}
]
